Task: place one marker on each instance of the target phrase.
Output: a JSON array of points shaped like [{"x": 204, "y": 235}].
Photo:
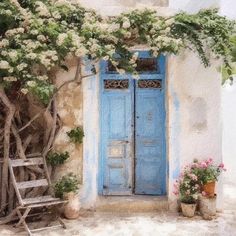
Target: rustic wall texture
[
  {"x": 70, "y": 106},
  {"x": 193, "y": 111}
]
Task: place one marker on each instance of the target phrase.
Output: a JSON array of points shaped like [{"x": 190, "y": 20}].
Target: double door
[{"x": 133, "y": 159}]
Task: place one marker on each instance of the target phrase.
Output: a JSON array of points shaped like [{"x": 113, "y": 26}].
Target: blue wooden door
[
  {"x": 133, "y": 130},
  {"x": 150, "y": 161},
  {"x": 116, "y": 133}
]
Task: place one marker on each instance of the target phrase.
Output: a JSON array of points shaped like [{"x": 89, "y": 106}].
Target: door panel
[
  {"x": 117, "y": 141},
  {"x": 150, "y": 164},
  {"x": 133, "y": 131}
]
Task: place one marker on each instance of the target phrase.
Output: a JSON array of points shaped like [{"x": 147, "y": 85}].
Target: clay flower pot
[
  {"x": 209, "y": 189},
  {"x": 71, "y": 210},
  {"x": 188, "y": 209}
]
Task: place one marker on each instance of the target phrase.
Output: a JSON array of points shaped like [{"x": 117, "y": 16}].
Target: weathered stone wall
[{"x": 70, "y": 109}]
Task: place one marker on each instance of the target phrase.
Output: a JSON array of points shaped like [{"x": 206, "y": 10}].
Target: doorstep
[{"x": 134, "y": 203}]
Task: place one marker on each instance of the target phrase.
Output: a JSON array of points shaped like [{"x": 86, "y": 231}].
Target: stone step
[{"x": 129, "y": 204}]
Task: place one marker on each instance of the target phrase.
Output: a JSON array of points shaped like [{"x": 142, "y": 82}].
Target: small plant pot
[
  {"x": 188, "y": 210},
  {"x": 207, "y": 205},
  {"x": 209, "y": 189},
  {"x": 72, "y": 208}
]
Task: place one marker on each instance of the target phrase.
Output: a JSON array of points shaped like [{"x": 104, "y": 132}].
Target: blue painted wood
[
  {"x": 133, "y": 161},
  {"x": 117, "y": 136},
  {"x": 150, "y": 150}
]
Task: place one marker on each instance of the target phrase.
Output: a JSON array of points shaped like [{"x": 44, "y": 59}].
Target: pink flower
[
  {"x": 221, "y": 165},
  {"x": 203, "y": 164},
  {"x": 204, "y": 193},
  {"x": 175, "y": 193},
  {"x": 209, "y": 161}
]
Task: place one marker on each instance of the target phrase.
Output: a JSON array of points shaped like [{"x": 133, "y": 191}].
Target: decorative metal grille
[
  {"x": 150, "y": 83},
  {"x": 116, "y": 84}
]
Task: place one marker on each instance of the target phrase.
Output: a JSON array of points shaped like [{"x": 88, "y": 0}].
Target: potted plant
[
  {"x": 66, "y": 188},
  {"x": 208, "y": 174},
  {"x": 187, "y": 188}
]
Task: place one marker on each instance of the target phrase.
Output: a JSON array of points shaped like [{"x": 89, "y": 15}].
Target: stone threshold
[{"x": 133, "y": 203}]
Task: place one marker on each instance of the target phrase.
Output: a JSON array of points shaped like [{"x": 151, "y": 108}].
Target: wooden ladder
[{"x": 26, "y": 204}]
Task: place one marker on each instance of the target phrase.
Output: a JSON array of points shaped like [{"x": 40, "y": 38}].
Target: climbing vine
[{"x": 38, "y": 38}]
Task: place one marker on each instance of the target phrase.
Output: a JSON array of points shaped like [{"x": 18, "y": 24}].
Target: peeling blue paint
[{"x": 176, "y": 132}]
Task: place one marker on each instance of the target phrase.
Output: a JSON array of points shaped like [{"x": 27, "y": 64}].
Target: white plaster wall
[
  {"x": 228, "y": 8},
  {"x": 115, "y": 7},
  {"x": 194, "y": 126},
  {"x": 193, "y": 6},
  {"x": 229, "y": 130}
]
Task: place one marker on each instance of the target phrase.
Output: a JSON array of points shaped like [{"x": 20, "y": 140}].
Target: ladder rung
[{"x": 32, "y": 184}]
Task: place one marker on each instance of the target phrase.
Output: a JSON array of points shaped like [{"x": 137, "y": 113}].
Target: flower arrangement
[
  {"x": 207, "y": 171},
  {"x": 187, "y": 187},
  {"x": 194, "y": 177}
]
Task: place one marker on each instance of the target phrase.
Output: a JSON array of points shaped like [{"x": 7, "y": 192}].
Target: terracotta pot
[
  {"x": 209, "y": 189},
  {"x": 71, "y": 210},
  {"x": 188, "y": 210}
]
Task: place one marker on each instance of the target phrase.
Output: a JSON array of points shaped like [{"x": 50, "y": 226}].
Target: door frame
[{"x": 163, "y": 68}]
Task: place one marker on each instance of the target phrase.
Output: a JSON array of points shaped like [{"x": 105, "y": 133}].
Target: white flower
[
  {"x": 13, "y": 55},
  {"x": 10, "y": 78},
  {"x": 170, "y": 21},
  {"x": 8, "y": 12},
  {"x": 42, "y": 77},
  {"x": 4, "y": 65},
  {"x": 24, "y": 90},
  {"x": 31, "y": 55},
  {"x": 42, "y": 9},
  {"x": 41, "y": 38},
  {"x": 64, "y": 3},
  {"x": 61, "y": 38},
  {"x": 113, "y": 27},
  {"x": 31, "y": 83},
  {"x": 82, "y": 51},
  {"x": 34, "y": 32},
  {"x": 126, "y": 24},
  {"x": 56, "y": 15},
  {"x": 10, "y": 70},
  {"x": 4, "y": 43},
  {"x": 21, "y": 66}
]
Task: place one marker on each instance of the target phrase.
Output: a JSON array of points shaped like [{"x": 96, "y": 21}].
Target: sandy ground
[{"x": 158, "y": 224}]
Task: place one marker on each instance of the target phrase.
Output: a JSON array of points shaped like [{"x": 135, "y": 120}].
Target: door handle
[{"x": 126, "y": 141}]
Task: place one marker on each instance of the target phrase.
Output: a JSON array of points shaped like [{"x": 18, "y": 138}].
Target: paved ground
[{"x": 161, "y": 224}]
